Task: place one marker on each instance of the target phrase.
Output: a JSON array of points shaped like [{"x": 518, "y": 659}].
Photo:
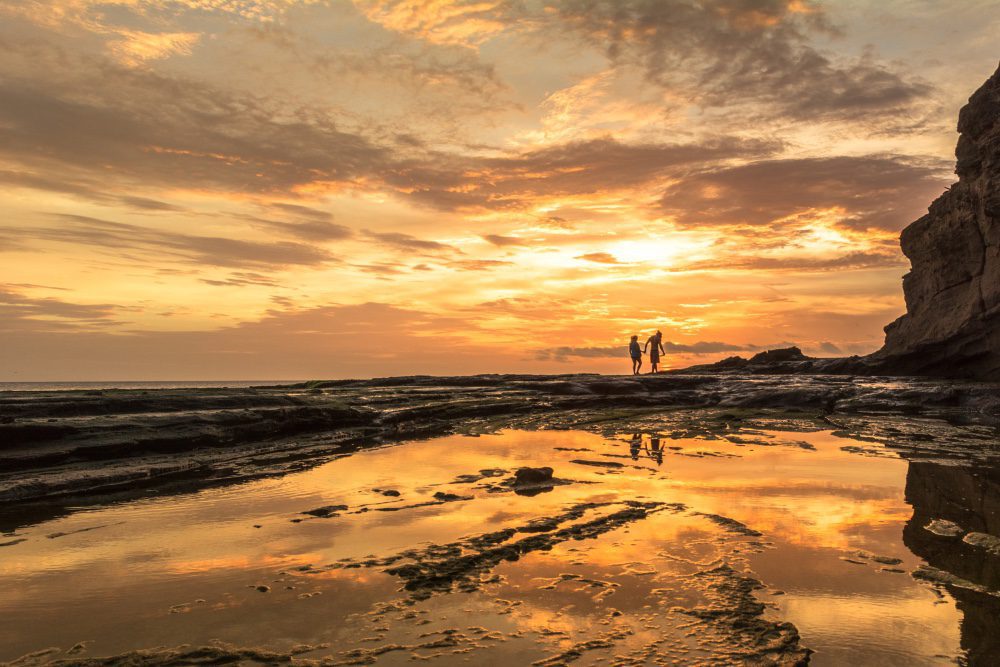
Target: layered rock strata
[
  {"x": 953, "y": 289},
  {"x": 951, "y": 327}
]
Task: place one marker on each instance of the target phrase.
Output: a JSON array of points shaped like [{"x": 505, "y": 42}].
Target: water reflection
[
  {"x": 839, "y": 536},
  {"x": 648, "y": 447},
  {"x": 969, "y": 498}
]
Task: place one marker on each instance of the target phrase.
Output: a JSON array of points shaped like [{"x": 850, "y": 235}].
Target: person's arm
[
  {"x": 646, "y": 346},
  {"x": 662, "y": 351}
]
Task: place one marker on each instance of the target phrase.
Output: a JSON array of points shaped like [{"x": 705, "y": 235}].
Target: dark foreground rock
[
  {"x": 87, "y": 449},
  {"x": 525, "y": 476}
]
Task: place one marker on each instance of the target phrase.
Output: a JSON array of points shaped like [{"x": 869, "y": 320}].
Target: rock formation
[
  {"x": 953, "y": 289},
  {"x": 952, "y": 323}
]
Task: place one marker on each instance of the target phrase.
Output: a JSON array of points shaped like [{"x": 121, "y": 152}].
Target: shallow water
[{"x": 651, "y": 589}]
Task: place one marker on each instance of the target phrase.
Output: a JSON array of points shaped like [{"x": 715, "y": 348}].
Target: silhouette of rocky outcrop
[
  {"x": 953, "y": 289},
  {"x": 786, "y": 360}
]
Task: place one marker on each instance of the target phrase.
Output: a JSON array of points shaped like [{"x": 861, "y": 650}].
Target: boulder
[
  {"x": 778, "y": 355},
  {"x": 532, "y": 476}
]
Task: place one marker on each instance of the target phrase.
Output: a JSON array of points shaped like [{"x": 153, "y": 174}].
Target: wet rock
[
  {"x": 392, "y": 493},
  {"x": 984, "y": 541},
  {"x": 616, "y": 387},
  {"x": 577, "y": 650},
  {"x": 731, "y": 525},
  {"x": 180, "y": 656},
  {"x": 326, "y": 511},
  {"x": 78, "y": 648},
  {"x": 525, "y": 476},
  {"x": 529, "y": 482},
  {"x": 735, "y": 609},
  {"x": 262, "y": 588},
  {"x": 542, "y": 525},
  {"x": 466, "y": 565},
  {"x": 58, "y": 534},
  {"x": 182, "y": 440},
  {"x": 486, "y": 473},
  {"x": 446, "y": 497},
  {"x": 598, "y": 464},
  {"x": 944, "y": 528},
  {"x": 887, "y": 560},
  {"x": 936, "y": 576}
]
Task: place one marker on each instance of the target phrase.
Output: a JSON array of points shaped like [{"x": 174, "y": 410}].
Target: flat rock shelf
[{"x": 698, "y": 520}]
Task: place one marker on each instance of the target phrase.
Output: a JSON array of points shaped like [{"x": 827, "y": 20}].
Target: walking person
[
  {"x": 654, "y": 354},
  {"x": 636, "y": 353}
]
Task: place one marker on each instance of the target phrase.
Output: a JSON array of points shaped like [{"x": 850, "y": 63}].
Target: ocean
[{"x": 181, "y": 384}]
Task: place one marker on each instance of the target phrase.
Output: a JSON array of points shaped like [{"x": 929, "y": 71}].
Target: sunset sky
[{"x": 279, "y": 189}]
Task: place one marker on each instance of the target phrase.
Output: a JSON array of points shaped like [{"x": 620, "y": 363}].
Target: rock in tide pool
[
  {"x": 327, "y": 511},
  {"x": 532, "y": 475},
  {"x": 446, "y": 497},
  {"x": 944, "y": 528},
  {"x": 984, "y": 541}
]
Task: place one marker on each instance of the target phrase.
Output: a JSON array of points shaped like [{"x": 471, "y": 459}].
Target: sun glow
[
  {"x": 661, "y": 251},
  {"x": 262, "y": 175}
]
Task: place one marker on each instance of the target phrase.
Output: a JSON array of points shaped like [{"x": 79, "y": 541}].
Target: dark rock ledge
[{"x": 87, "y": 447}]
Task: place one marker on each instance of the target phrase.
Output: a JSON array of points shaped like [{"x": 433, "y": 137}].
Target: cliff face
[{"x": 953, "y": 289}]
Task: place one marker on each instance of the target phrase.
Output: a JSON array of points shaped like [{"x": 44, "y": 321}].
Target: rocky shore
[
  {"x": 81, "y": 447},
  {"x": 64, "y": 452}
]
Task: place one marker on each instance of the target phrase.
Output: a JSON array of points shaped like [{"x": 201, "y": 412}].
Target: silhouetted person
[
  {"x": 654, "y": 353},
  {"x": 635, "y": 446},
  {"x": 656, "y": 451},
  {"x": 636, "y": 353}
]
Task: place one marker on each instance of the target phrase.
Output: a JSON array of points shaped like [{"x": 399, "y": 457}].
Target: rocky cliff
[{"x": 953, "y": 288}]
